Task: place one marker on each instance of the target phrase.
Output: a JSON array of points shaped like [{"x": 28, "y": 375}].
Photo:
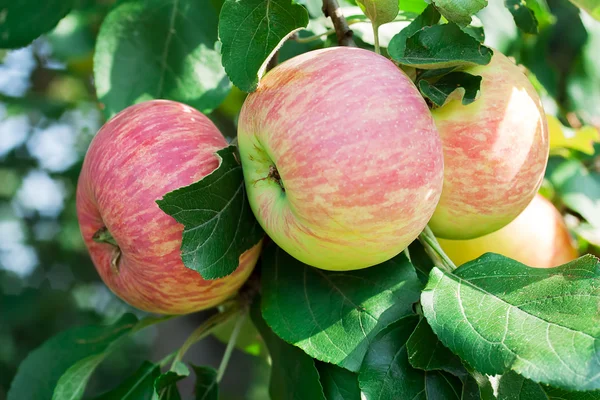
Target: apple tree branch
[{"x": 331, "y": 9}]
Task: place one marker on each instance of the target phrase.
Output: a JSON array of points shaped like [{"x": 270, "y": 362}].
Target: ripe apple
[
  {"x": 138, "y": 156},
  {"x": 495, "y": 153},
  {"x": 341, "y": 157},
  {"x": 538, "y": 237}
]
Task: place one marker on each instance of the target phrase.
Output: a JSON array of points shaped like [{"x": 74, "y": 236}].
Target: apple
[
  {"x": 139, "y": 155},
  {"x": 538, "y": 237},
  {"x": 495, "y": 153},
  {"x": 342, "y": 161}
]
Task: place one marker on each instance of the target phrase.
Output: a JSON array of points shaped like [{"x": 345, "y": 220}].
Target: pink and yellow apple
[
  {"x": 538, "y": 237},
  {"x": 138, "y": 156},
  {"x": 341, "y": 157},
  {"x": 495, "y": 153}
]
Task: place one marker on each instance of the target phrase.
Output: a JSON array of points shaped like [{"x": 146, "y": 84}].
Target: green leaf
[
  {"x": 498, "y": 314},
  {"x": 139, "y": 386},
  {"x": 293, "y": 373},
  {"x": 248, "y": 340},
  {"x": 251, "y": 31},
  {"x": 426, "y": 352},
  {"x": 541, "y": 12},
  {"x": 338, "y": 383},
  {"x": 397, "y": 46},
  {"x": 387, "y": 374},
  {"x": 439, "y": 46},
  {"x": 513, "y": 386},
  {"x": 477, "y": 386},
  {"x": 459, "y": 11},
  {"x": 39, "y": 373},
  {"x": 584, "y": 76},
  {"x": 560, "y": 394},
  {"x": 24, "y": 20},
  {"x": 218, "y": 222},
  {"x": 207, "y": 387},
  {"x": 72, "y": 383},
  {"x": 159, "y": 49},
  {"x": 165, "y": 385},
  {"x": 462, "y": 84},
  {"x": 592, "y": 7},
  {"x": 72, "y": 39},
  {"x": 523, "y": 15},
  {"x": 412, "y": 6},
  {"x": 439, "y": 385},
  {"x": 379, "y": 11},
  {"x": 579, "y": 189},
  {"x": 476, "y": 32},
  {"x": 385, "y": 371},
  {"x": 333, "y": 316}
]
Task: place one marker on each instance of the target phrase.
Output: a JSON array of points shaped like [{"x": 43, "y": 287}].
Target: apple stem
[
  {"x": 434, "y": 250},
  {"x": 102, "y": 235},
  {"x": 274, "y": 174},
  {"x": 230, "y": 345},
  {"x": 203, "y": 331}
]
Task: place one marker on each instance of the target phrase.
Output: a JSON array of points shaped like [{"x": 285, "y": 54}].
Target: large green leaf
[
  {"x": 72, "y": 383},
  {"x": 513, "y": 386},
  {"x": 159, "y": 49},
  {"x": 338, "y": 383},
  {"x": 138, "y": 386},
  {"x": 21, "y": 21},
  {"x": 251, "y": 31},
  {"x": 333, "y": 316},
  {"x": 387, "y": 374},
  {"x": 218, "y": 222},
  {"x": 428, "y": 17},
  {"x": 498, "y": 314},
  {"x": 426, "y": 352},
  {"x": 39, "y": 373},
  {"x": 293, "y": 373},
  {"x": 459, "y": 11},
  {"x": 439, "y": 46}
]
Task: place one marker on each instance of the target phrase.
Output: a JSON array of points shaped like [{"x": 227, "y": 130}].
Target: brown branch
[{"x": 331, "y": 9}]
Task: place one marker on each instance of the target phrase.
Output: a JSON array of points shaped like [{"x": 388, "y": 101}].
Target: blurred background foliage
[{"x": 49, "y": 114}]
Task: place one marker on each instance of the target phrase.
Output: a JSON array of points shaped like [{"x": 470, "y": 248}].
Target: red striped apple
[
  {"x": 341, "y": 157},
  {"x": 495, "y": 153},
  {"x": 138, "y": 156},
  {"x": 538, "y": 237}
]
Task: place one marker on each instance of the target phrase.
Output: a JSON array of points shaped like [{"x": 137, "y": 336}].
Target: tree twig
[{"x": 331, "y": 9}]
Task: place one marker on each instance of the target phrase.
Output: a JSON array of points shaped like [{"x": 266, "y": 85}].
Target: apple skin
[
  {"x": 353, "y": 144},
  {"x": 495, "y": 153},
  {"x": 138, "y": 156},
  {"x": 538, "y": 237}
]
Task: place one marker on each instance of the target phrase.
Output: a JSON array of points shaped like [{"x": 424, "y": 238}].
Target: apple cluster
[{"x": 344, "y": 166}]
